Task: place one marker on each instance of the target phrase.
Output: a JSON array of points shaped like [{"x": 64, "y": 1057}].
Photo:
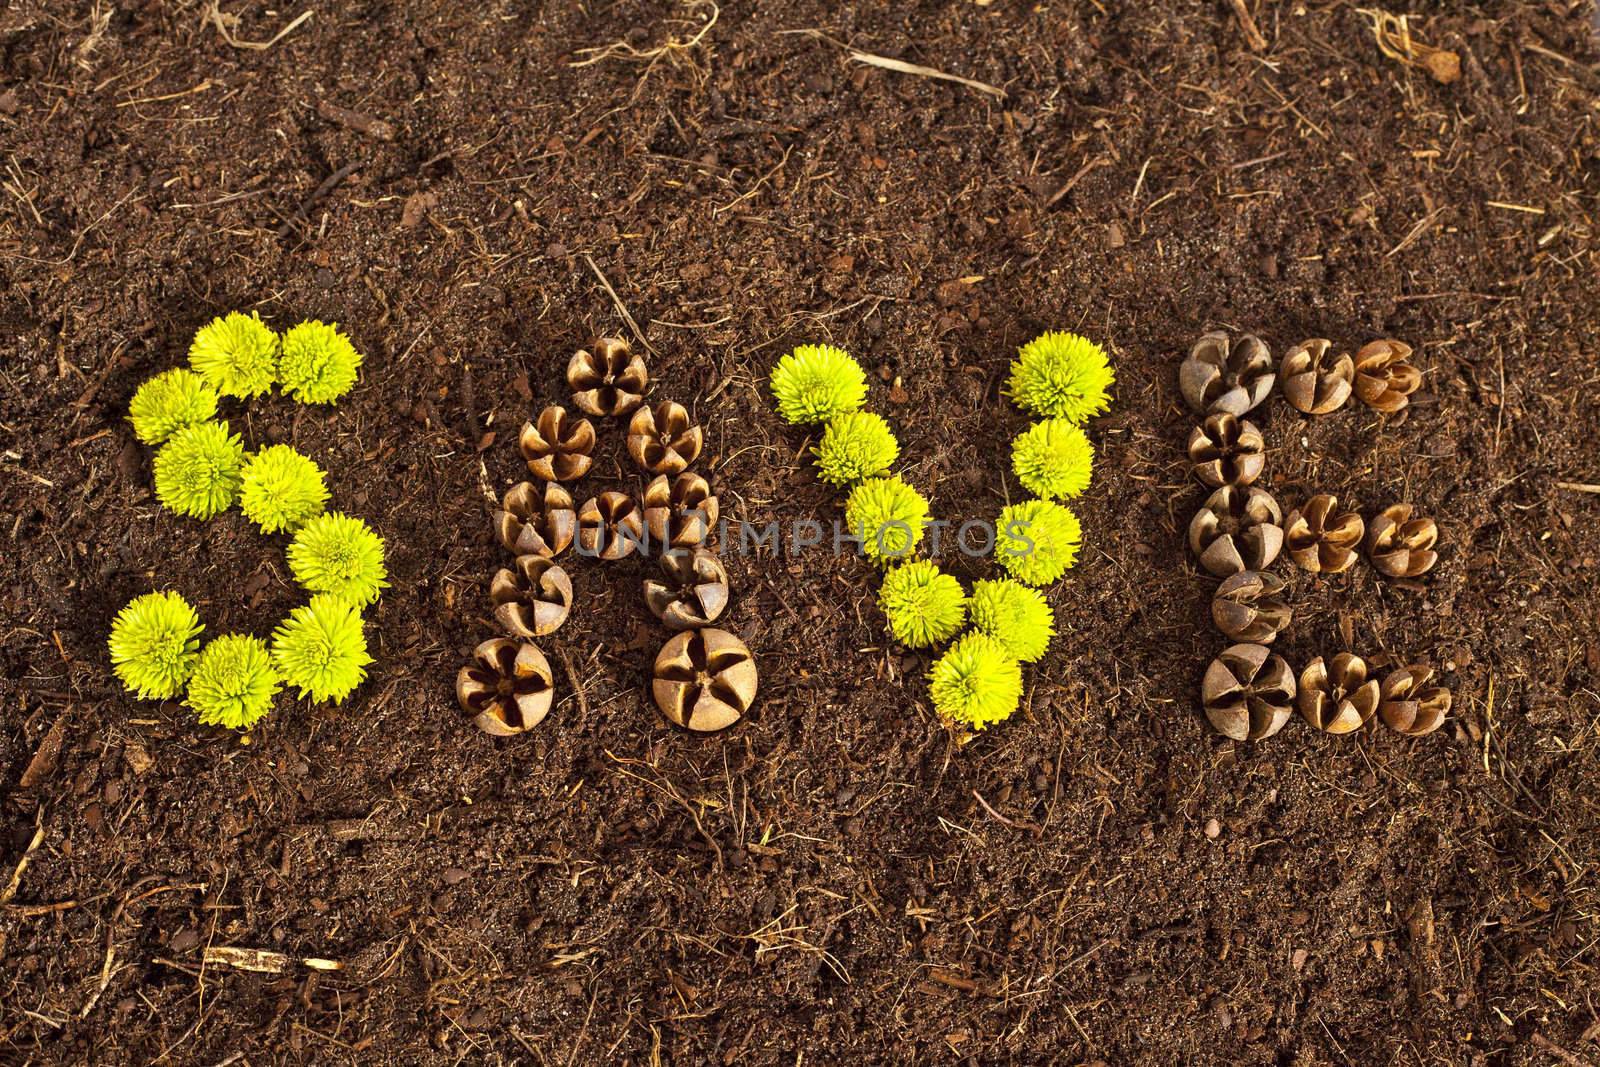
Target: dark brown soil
[{"x": 836, "y": 880}]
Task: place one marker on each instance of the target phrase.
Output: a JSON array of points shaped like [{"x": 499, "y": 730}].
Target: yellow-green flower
[
  {"x": 281, "y": 489},
  {"x": 154, "y": 641},
  {"x": 318, "y": 364},
  {"x": 816, "y": 382},
  {"x": 334, "y": 553},
  {"x": 887, "y": 516},
  {"x": 1014, "y": 615},
  {"x": 197, "y": 470},
  {"x": 320, "y": 649},
  {"x": 233, "y": 682},
  {"x": 976, "y": 682},
  {"x": 1037, "y": 541},
  {"x": 924, "y": 605},
  {"x": 168, "y": 402},
  {"x": 237, "y": 354},
  {"x": 1053, "y": 459},
  {"x": 1061, "y": 375},
  {"x": 856, "y": 445}
]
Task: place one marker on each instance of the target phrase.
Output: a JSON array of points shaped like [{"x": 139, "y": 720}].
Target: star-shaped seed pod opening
[
  {"x": 679, "y": 512},
  {"x": 1248, "y": 692},
  {"x": 558, "y": 448},
  {"x": 1239, "y": 528},
  {"x": 1383, "y": 379},
  {"x": 1250, "y": 607},
  {"x": 692, "y": 591},
  {"x": 607, "y": 378},
  {"x": 1401, "y": 546},
  {"x": 704, "y": 680},
  {"x": 1219, "y": 375},
  {"x": 1337, "y": 697},
  {"x": 662, "y": 440},
  {"x": 1227, "y": 450},
  {"x": 610, "y": 526},
  {"x": 1314, "y": 381},
  {"x": 532, "y": 598},
  {"x": 529, "y": 526},
  {"x": 1321, "y": 538},
  {"x": 1409, "y": 704},
  {"x": 507, "y": 688}
]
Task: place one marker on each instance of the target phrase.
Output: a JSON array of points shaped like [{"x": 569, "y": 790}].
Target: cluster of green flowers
[
  {"x": 201, "y": 469},
  {"x": 978, "y": 679}
]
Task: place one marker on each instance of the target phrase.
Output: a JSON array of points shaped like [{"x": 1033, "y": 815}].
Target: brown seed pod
[
  {"x": 1400, "y": 546},
  {"x": 531, "y": 598},
  {"x": 1384, "y": 380},
  {"x": 1227, "y": 450},
  {"x": 1314, "y": 381},
  {"x": 662, "y": 440},
  {"x": 528, "y": 526},
  {"x": 692, "y": 592},
  {"x": 1249, "y": 607},
  {"x": 1219, "y": 375},
  {"x": 1410, "y": 705},
  {"x": 609, "y": 380},
  {"x": 1337, "y": 697},
  {"x": 609, "y": 526},
  {"x": 1248, "y": 692},
  {"x": 1239, "y": 528},
  {"x": 506, "y": 688},
  {"x": 679, "y": 513},
  {"x": 704, "y": 679},
  {"x": 1320, "y": 538},
  {"x": 556, "y": 447}
]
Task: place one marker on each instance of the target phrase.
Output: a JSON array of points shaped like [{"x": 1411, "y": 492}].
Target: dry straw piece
[
  {"x": 532, "y": 598},
  {"x": 1384, "y": 380},
  {"x": 1248, "y": 692},
  {"x": 1322, "y": 539},
  {"x": 1315, "y": 382},
  {"x": 557, "y": 448},
  {"x": 1409, "y": 704},
  {"x": 1227, "y": 450},
  {"x": 692, "y": 591},
  {"x": 680, "y": 512},
  {"x": 1219, "y": 375},
  {"x": 1338, "y": 697},
  {"x": 528, "y": 526},
  {"x": 1399, "y": 545},
  {"x": 609, "y": 526},
  {"x": 1250, "y": 607},
  {"x": 1239, "y": 528},
  {"x": 704, "y": 680},
  {"x": 610, "y": 380},
  {"x": 507, "y": 688},
  {"x": 662, "y": 440}
]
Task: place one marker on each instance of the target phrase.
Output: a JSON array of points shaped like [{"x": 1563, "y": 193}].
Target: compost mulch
[{"x": 836, "y": 879}]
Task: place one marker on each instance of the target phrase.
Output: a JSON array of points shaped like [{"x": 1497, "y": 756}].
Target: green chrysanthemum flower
[
  {"x": 281, "y": 489},
  {"x": 923, "y": 604},
  {"x": 154, "y": 641},
  {"x": 197, "y": 470},
  {"x": 237, "y": 354},
  {"x": 816, "y": 382},
  {"x": 320, "y": 649},
  {"x": 1014, "y": 615},
  {"x": 888, "y": 516},
  {"x": 1053, "y": 459},
  {"x": 233, "y": 682},
  {"x": 167, "y": 403},
  {"x": 856, "y": 445},
  {"x": 1061, "y": 375},
  {"x": 1037, "y": 541},
  {"x": 318, "y": 364},
  {"x": 977, "y": 682},
  {"x": 337, "y": 554}
]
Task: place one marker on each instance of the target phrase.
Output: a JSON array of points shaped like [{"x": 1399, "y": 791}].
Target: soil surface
[{"x": 837, "y": 879}]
